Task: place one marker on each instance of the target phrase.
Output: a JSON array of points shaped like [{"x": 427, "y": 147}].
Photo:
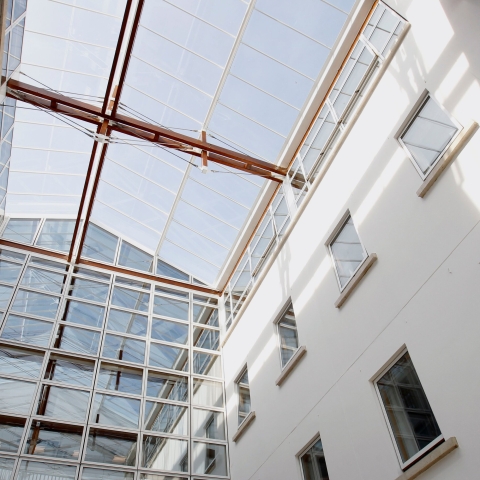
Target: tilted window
[
  {"x": 412, "y": 422},
  {"x": 243, "y": 390},
  {"x": 313, "y": 462},
  {"x": 287, "y": 333},
  {"x": 428, "y": 135},
  {"x": 347, "y": 252}
]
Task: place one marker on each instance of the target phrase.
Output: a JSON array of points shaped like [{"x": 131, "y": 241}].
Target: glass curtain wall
[{"x": 103, "y": 376}]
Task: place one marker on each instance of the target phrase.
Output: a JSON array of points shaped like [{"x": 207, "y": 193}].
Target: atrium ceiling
[{"x": 242, "y": 71}]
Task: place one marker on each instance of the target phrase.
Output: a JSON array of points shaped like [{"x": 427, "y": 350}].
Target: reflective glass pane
[
  {"x": 56, "y": 234},
  {"x": 126, "y": 322},
  {"x": 9, "y": 271},
  {"x": 48, "y": 263},
  {"x": 11, "y": 430},
  {"x": 170, "y": 307},
  {"x": 166, "y": 270},
  {"x": 5, "y": 294},
  {"x": 36, "y": 304},
  {"x": 77, "y": 340},
  {"x": 99, "y": 244},
  {"x": 111, "y": 447},
  {"x": 19, "y": 362},
  {"x": 20, "y": 230},
  {"x": 97, "y": 474},
  {"x": 162, "y": 453},
  {"x": 206, "y": 338},
  {"x": 36, "y": 470},
  {"x": 208, "y": 424},
  {"x": 172, "y": 292},
  {"x": 43, "y": 280},
  {"x": 166, "y": 418},
  {"x": 169, "y": 331},
  {"x": 83, "y": 314},
  {"x": 133, "y": 257},
  {"x": 16, "y": 396},
  {"x": 6, "y": 468},
  {"x": 72, "y": 371},
  {"x": 115, "y": 411},
  {"x": 27, "y": 330},
  {"x": 313, "y": 463},
  {"x": 126, "y": 380},
  {"x": 171, "y": 387},
  {"x": 89, "y": 290},
  {"x": 206, "y": 364},
  {"x": 207, "y": 393},
  {"x": 209, "y": 458},
  {"x": 164, "y": 356},
  {"x": 205, "y": 315},
  {"x": 54, "y": 440},
  {"x": 126, "y": 298},
  {"x": 63, "y": 403},
  {"x": 123, "y": 348}
]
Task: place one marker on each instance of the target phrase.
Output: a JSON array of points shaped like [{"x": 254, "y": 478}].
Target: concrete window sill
[
  {"x": 430, "y": 459},
  {"x": 448, "y": 157},
  {"x": 292, "y": 363},
  {"x": 244, "y": 426},
  {"x": 356, "y": 279}
]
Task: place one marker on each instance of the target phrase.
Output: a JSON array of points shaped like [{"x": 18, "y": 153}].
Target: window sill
[
  {"x": 291, "y": 364},
  {"x": 355, "y": 280},
  {"x": 452, "y": 152},
  {"x": 430, "y": 459},
  {"x": 244, "y": 426}
]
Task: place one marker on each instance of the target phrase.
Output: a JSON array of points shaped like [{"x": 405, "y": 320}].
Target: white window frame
[
  {"x": 331, "y": 239},
  {"x": 424, "y": 450},
  {"x": 288, "y": 305},
  {"x": 305, "y": 449},
  {"x": 237, "y": 393},
  {"x": 424, "y": 98}
]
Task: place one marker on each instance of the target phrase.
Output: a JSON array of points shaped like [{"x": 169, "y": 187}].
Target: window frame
[
  {"x": 305, "y": 449},
  {"x": 287, "y": 306},
  {"x": 239, "y": 385},
  {"x": 331, "y": 239},
  {"x": 412, "y": 116},
  {"x": 425, "y": 450}
]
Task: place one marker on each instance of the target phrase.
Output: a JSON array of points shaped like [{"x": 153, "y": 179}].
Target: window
[
  {"x": 244, "y": 404},
  {"x": 411, "y": 420},
  {"x": 427, "y": 135},
  {"x": 313, "y": 462},
  {"x": 287, "y": 334},
  {"x": 347, "y": 252}
]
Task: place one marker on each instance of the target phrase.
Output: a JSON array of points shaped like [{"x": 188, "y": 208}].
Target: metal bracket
[{"x": 98, "y": 137}]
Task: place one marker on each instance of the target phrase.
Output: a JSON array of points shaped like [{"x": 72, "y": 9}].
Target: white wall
[{"x": 423, "y": 291}]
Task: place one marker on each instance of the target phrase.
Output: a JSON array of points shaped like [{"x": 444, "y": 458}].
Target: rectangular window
[
  {"x": 287, "y": 334},
  {"x": 427, "y": 135},
  {"x": 243, "y": 389},
  {"x": 347, "y": 252},
  {"x": 313, "y": 462},
  {"x": 412, "y": 422}
]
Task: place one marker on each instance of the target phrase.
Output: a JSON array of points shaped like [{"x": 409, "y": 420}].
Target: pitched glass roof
[{"x": 240, "y": 70}]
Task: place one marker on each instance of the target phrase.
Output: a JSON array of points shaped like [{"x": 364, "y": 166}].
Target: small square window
[
  {"x": 347, "y": 252},
  {"x": 243, "y": 390},
  {"x": 287, "y": 334},
  {"x": 428, "y": 135},
  {"x": 412, "y": 422},
  {"x": 313, "y": 462}
]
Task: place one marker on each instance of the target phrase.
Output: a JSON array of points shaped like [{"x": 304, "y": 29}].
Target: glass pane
[
  {"x": 201, "y": 298},
  {"x": 48, "y": 263},
  {"x": 9, "y": 271},
  {"x": 162, "y": 453},
  {"x": 39, "y": 470},
  {"x": 166, "y": 270},
  {"x": 164, "y": 356},
  {"x": 124, "y": 297},
  {"x": 133, "y": 283},
  {"x": 97, "y": 474},
  {"x": 209, "y": 458},
  {"x": 21, "y": 230},
  {"x": 169, "y": 331},
  {"x": 115, "y": 411},
  {"x": 171, "y": 387},
  {"x": 56, "y": 234},
  {"x": 5, "y": 294},
  {"x": 206, "y": 338},
  {"x": 21, "y": 363},
  {"x": 170, "y": 307},
  {"x": 111, "y": 447},
  {"x": 205, "y": 315},
  {"x": 83, "y": 314},
  {"x": 99, "y": 244},
  {"x": 6, "y": 468},
  {"x": 166, "y": 418},
  {"x": 123, "y": 348},
  {"x": 63, "y": 403},
  {"x": 207, "y": 393},
  {"x": 82, "y": 288},
  {"x": 208, "y": 424},
  {"x": 133, "y": 257},
  {"x": 171, "y": 291},
  {"x": 126, "y": 380},
  {"x": 77, "y": 340},
  {"x": 54, "y": 440},
  {"x": 36, "y": 304},
  {"x": 43, "y": 280},
  {"x": 313, "y": 463},
  {"x": 71, "y": 371},
  {"x": 27, "y": 330},
  {"x": 11, "y": 430},
  {"x": 206, "y": 364},
  {"x": 16, "y": 396},
  {"x": 126, "y": 322}
]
